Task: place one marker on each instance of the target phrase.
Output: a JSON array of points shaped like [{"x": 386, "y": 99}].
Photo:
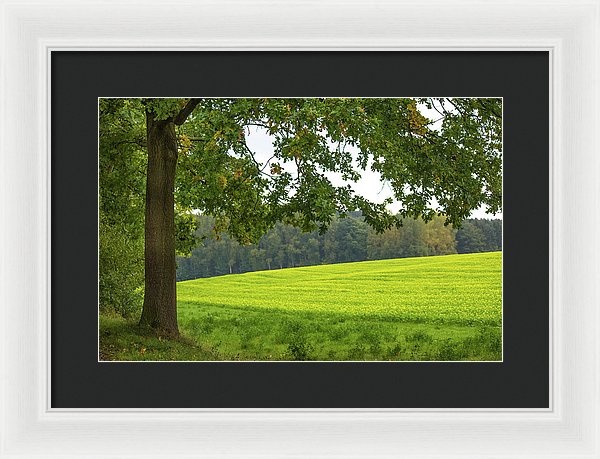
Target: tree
[
  {"x": 160, "y": 307},
  {"x": 198, "y": 158},
  {"x": 122, "y": 165},
  {"x": 439, "y": 238},
  {"x": 470, "y": 238},
  {"x": 492, "y": 230},
  {"x": 346, "y": 240}
]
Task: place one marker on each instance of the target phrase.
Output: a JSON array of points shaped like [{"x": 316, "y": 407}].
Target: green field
[{"x": 428, "y": 308}]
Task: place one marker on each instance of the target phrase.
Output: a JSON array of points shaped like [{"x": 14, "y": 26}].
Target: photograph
[{"x": 300, "y": 229}]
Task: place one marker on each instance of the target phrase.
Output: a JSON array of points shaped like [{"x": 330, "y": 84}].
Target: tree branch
[
  {"x": 256, "y": 163},
  {"x": 185, "y": 111},
  {"x": 489, "y": 108},
  {"x": 462, "y": 113}
]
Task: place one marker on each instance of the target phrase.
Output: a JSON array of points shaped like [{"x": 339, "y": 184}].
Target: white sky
[{"x": 369, "y": 186}]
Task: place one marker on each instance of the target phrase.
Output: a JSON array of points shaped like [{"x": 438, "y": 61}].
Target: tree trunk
[{"x": 160, "y": 299}]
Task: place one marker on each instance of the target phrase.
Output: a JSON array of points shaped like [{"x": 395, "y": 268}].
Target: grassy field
[{"x": 428, "y": 308}]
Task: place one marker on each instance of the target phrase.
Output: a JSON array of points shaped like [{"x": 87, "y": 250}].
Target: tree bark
[{"x": 160, "y": 298}]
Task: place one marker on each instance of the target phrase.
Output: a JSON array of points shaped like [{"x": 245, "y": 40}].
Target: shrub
[
  {"x": 299, "y": 348},
  {"x": 121, "y": 282}
]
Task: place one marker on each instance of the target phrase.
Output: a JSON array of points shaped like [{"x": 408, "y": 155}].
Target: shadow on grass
[
  {"x": 125, "y": 340},
  {"x": 212, "y": 336}
]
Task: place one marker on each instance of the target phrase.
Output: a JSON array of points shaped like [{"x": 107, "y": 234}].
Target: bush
[
  {"x": 121, "y": 283},
  {"x": 298, "y": 346}
]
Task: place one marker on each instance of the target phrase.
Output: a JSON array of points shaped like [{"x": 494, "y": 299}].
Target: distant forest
[{"x": 348, "y": 239}]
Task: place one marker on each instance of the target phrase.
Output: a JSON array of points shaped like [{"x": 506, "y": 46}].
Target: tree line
[{"x": 348, "y": 239}]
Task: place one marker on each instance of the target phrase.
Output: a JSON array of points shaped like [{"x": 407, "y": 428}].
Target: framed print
[
  {"x": 76, "y": 80},
  {"x": 306, "y": 345}
]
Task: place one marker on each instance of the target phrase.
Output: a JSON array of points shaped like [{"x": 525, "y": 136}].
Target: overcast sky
[{"x": 370, "y": 186}]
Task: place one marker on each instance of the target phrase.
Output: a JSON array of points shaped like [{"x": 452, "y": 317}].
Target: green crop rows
[
  {"x": 459, "y": 289},
  {"x": 428, "y": 308}
]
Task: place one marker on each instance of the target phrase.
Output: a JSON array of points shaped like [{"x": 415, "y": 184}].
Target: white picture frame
[{"x": 569, "y": 31}]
